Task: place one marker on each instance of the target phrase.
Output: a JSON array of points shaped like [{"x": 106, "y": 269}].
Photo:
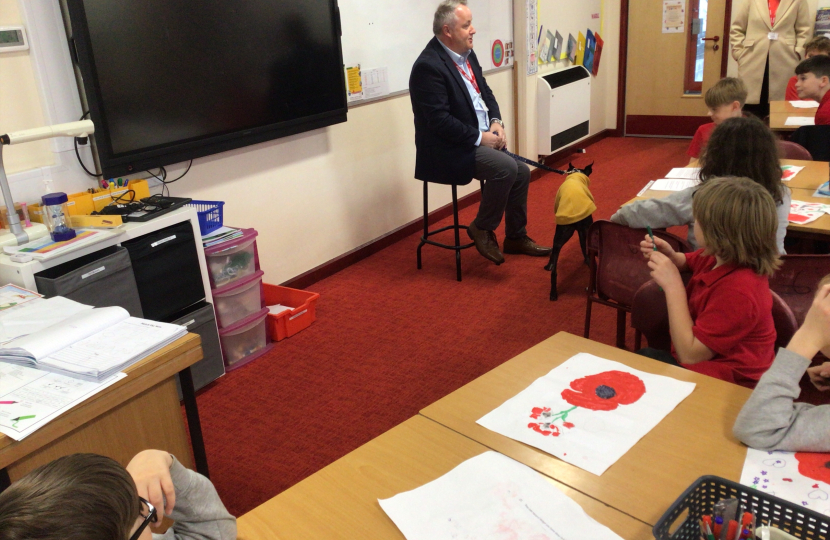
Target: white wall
[{"x": 313, "y": 196}]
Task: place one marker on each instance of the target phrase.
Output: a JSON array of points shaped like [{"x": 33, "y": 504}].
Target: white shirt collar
[{"x": 459, "y": 59}]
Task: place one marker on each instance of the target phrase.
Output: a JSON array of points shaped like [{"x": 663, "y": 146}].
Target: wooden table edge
[{"x": 141, "y": 376}]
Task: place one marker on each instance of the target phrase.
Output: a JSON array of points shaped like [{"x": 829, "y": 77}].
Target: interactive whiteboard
[{"x": 377, "y": 35}]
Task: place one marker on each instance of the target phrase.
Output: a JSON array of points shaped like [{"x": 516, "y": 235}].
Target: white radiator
[{"x": 564, "y": 108}]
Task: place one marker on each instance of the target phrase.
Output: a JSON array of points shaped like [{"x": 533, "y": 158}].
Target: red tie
[{"x": 773, "y": 7}]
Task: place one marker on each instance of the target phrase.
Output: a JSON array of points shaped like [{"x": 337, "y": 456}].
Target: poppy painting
[
  {"x": 588, "y": 411},
  {"x": 802, "y": 478}
]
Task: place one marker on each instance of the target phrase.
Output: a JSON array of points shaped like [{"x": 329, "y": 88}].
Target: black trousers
[
  {"x": 761, "y": 110},
  {"x": 505, "y": 192},
  {"x": 658, "y": 354}
]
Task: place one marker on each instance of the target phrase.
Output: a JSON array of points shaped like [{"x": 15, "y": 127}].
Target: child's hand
[
  {"x": 816, "y": 328},
  {"x": 647, "y": 247},
  {"x": 820, "y": 376},
  {"x": 150, "y": 470},
  {"x": 664, "y": 271}
]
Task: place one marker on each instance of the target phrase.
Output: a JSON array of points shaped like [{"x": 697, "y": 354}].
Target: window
[{"x": 695, "y": 46}]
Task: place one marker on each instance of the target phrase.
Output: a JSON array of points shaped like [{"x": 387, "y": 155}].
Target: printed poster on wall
[
  {"x": 501, "y": 53},
  {"x": 532, "y": 29},
  {"x": 674, "y": 16}
]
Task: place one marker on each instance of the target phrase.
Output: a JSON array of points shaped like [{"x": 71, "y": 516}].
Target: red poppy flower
[
  {"x": 605, "y": 391},
  {"x": 537, "y": 411},
  {"x": 540, "y": 428},
  {"x": 814, "y": 465}
]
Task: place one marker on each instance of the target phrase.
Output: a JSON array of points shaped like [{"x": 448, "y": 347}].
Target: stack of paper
[
  {"x": 37, "y": 315},
  {"x": 46, "y": 248},
  {"x": 804, "y": 104},
  {"x": 222, "y": 234},
  {"x": 92, "y": 346}
]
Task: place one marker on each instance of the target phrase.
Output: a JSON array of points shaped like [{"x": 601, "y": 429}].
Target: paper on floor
[
  {"x": 799, "y": 477},
  {"x": 491, "y": 496},
  {"x": 588, "y": 411}
]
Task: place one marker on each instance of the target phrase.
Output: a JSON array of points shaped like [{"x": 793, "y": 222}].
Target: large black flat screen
[{"x": 168, "y": 80}]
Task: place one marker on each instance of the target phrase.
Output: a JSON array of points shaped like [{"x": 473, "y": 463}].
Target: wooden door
[{"x": 658, "y": 98}]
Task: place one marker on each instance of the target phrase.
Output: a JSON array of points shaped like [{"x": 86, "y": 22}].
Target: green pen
[{"x": 651, "y": 235}]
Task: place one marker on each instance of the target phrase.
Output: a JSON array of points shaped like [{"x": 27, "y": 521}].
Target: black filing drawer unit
[
  {"x": 200, "y": 319},
  {"x": 101, "y": 279},
  {"x": 167, "y": 272}
]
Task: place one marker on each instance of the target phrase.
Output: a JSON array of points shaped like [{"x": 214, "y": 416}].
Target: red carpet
[{"x": 390, "y": 339}]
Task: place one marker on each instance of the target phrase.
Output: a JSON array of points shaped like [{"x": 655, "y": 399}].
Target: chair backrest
[
  {"x": 791, "y": 150},
  {"x": 797, "y": 280},
  {"x": 650, "y": 315},
  {"x": 816, "y": 139},
  {"x": 618, "y": 267},
  {"x": 785, "y": 324}
]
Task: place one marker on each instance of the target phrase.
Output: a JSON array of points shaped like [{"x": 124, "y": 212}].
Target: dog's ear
[{"x": 589, "y": 169}]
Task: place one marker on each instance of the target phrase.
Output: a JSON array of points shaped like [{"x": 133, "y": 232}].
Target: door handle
[{"x": 713, "y": 39}]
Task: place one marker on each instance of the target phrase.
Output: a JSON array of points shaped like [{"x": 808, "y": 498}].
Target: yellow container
[
  {"x": 79, "y": 204},
  {"x": 36, "y": 212},
  {"x": 103, "y": 197}
]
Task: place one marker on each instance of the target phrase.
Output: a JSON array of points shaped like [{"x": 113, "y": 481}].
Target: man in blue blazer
[{"x": 459, "y": 134}]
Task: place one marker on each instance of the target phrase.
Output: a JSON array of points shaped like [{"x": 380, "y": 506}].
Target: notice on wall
[
  {"x": 354, "y": 85},
  {"x": 375, "y": 82},
  {"x": 532, "y": 39},
  {"x": 674, "y": 16}
]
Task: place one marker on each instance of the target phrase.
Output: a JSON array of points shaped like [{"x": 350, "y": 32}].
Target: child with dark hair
[
  {"x": 770, "y": 419},
  {"x": 92, "y": 497},
  {"x": 721, "y": 322},
  {"x": 814, "y": 47},
  {"x": 813, "y": 83},
  {"x": 738, "y": 147}
]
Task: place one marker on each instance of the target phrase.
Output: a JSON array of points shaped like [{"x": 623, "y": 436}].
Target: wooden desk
[
  {"x": 693, "y": 440},
  {"x": 821, "y": 226},
  {"x": 138, "y": 412},
  {"x": 341, "y": 500},
  {"x": 779, "y": 111}
]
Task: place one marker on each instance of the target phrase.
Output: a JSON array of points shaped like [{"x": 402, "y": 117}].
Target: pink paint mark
[{"x": 787, "y": 479}]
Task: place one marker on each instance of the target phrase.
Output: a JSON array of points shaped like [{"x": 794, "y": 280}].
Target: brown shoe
[
  {"x": 525, "y": 246},
  {"x": 486, "y": 243}
]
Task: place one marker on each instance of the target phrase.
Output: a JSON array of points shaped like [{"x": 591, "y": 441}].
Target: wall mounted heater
[{"x": 564, "y": 107}]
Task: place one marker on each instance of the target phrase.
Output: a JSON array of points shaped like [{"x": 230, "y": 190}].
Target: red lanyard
[
  {"x": 773, "y": 8},
  {"x": 471, "y": 77}
]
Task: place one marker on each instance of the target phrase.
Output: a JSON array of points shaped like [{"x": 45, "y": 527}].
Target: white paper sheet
[
  {"x": 798, "y": 477},
  {"x": 804, "y": 104},
  {"x": 30, "y": 398},
  {"x": 800, "y": 121},
  {"x": 562, "y": 412},
  {"x": 788, "y": 172},
  {"x": 494, "y": 497},
  {"x": 674, "y": 184},
  {"x": 689, "y": 173},
  {"x": 37, "y": 315},
  {"x": 803, "y": 212}
]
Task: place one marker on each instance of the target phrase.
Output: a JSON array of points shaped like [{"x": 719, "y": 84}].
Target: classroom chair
[
  {"x": 650, "y": 316},
  {"x": 797, "y": 280},
  {"x": 455, "y": 227},
  {"x": 792, "y": 150},
  {"x": 618, "y": 269},
  {"x": 816, "y": 139}
]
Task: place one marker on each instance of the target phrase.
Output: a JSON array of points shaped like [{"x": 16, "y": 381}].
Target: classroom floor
[{"x": 390, "y": 339}]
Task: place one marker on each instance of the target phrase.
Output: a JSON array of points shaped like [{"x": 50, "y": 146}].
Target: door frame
[{"x": 623, "y": 59}]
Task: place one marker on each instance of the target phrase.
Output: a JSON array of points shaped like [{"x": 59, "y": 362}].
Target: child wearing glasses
[{"x": 92, "y": 497}]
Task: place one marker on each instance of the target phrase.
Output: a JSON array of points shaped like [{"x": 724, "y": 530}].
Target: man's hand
[
  {"x": 820, "y": 376},
  {"x": 150, "y": 470},
  {"x": 491, "y": 140},
  {"x": 664, "y": 271},
  {"x": 496, "y": 129}
]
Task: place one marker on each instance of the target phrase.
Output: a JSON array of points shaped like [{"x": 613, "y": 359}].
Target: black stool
[{"x": 455, "y": 227}]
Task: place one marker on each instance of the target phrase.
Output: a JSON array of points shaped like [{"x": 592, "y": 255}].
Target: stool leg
[
  {"x": 457, "y": 237},
  {"x": 620, "y": 329},
  {"x": 426, "y": 224}
]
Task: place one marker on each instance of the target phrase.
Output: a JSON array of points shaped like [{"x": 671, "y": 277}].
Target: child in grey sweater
[
  {"x": 92, "y": 497},
  {"x": 770, "y": 420}
]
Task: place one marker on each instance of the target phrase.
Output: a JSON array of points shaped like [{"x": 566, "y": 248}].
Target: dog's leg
[
  {"x": 582, "y": 231},
  {"x": 561, "y": 235}
]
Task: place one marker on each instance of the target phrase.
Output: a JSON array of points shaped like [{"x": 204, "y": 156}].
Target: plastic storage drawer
[
  {"x": 289, "y": 322},
  {"x": 199, "y": 319},
  {"x": 238, "y": 300},
  {"x": 101, "y": 279},
  {"x": 245, "y": 340},
  {"x": 167, "y": 271},
  {"x": 232, "y": 260}
]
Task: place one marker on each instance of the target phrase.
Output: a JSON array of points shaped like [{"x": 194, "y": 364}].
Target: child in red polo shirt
[
  {"x": 813, "y": 83},
  {"x": 725, "y": 99},
  {"x": 721, "y": 322},
  {"x": 814, "y": 47}
]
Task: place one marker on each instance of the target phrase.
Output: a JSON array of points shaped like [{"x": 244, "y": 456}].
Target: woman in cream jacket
[{"x": 758, "y": 46}]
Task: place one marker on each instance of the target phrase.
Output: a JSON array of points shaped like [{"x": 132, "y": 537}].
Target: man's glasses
[{"x": 150, "y": 517}]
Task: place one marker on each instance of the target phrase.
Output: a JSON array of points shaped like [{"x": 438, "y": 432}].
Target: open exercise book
[{"x": 93, "y": 345}]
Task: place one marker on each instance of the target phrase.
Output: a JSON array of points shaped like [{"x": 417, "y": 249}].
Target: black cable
[
  {"x": 165, "y": 191},
  {"x": 78, "y": 154}
]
